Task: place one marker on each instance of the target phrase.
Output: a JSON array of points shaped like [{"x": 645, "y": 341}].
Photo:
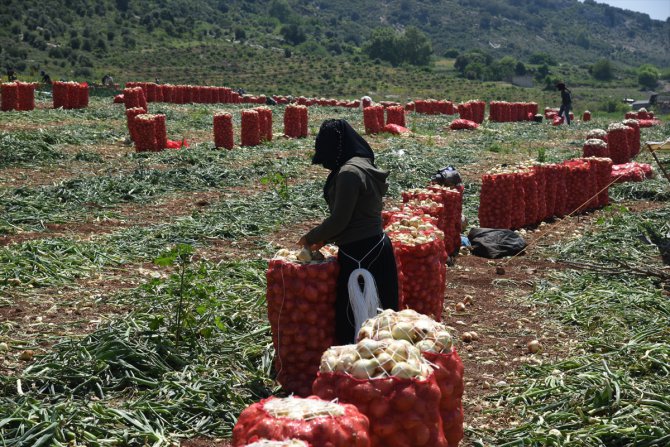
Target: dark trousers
[
  {"x": 565, "y": 109},
  {"x": 381, "y": 264}
]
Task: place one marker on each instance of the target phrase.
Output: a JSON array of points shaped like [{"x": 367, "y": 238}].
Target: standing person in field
[
  {"x": 353, "y": 191},
  {"x": 566, "y": 102}
]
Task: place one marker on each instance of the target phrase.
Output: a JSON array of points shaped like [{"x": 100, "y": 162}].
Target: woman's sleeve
[{"x": 346, "y": 195}]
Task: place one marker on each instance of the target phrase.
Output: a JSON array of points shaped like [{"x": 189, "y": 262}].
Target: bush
[
  {"x": 648, "y": 76},
  {"x": 602, "y": 70}
]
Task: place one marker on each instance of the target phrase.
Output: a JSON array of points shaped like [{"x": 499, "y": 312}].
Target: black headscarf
[{"x": 336, "y": 143}]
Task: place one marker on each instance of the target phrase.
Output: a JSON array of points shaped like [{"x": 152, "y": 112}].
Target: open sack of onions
[
  {"x": 435, "y": 344},
  {"x": 317, "y": 422},
  {"x": 301, "y": 293},
  {"x": 392, "y": 384}
]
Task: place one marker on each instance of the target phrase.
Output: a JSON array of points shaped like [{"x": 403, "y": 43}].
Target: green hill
[{"x": 315, "y": 48}]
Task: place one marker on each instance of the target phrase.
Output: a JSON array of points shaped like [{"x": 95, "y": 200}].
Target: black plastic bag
[
  {"x": 495, "y": 243},
  {"x": 448, "y": 176}
]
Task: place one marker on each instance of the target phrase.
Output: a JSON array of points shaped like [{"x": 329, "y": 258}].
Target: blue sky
[{"x": 657, "y": 9}]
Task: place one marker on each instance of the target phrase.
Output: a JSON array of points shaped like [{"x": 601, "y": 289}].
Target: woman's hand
[{"x": 315, "y": 246}]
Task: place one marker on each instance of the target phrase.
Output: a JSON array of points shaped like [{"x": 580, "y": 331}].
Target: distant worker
[
  {"x": 46, "y": 79},
  {"x": 11, "y": 75},
  {"x": 566, "y": 102},
  {"x": 270, "y": 101},
  {"x": 107, "y": 80}
]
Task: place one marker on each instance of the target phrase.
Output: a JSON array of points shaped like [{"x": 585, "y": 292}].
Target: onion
[
  {"x": 403, "y": 331},
  {"x": 368, "y": 348},
  {"x": 405, "y": 371},
  {"x": 444, "y": 340},
  {"x": 534, "y": 346},
  {"x": 364, "y": 368}
]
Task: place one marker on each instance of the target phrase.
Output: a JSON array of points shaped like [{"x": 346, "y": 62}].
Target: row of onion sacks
[
  {"x": 184, "y": 94},
  {"x": 301, "y": 293},
  {"x": 19, "y": 96},
  {"x": 300, "y": 422},
  {"x": 420, "y": 255},
  {"x": 69, "y": 95},
  {"x": 391, "y": 383},
  {"x": 501, "y": 111},
  {"x": 296, "y": 121},
  {"x": 432, "y": 107}
]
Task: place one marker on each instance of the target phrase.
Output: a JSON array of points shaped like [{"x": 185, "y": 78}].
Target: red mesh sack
[
  {"x": 633, "y": 137},
  {"x": 597, "y": 134},
  {"x": 284, "y": 443},
  {"x": 395, "y": 115},
  {"x": 531, "y": 197},
  {"x": 561, "y": 196},
  {"x": 118, "y": 99},
  {"x": 630, "y": 172},
  {"x": 465, "y": 112},
  {"x": 371, "y": 120},
  {"x": 402, "y": 412},
  {"x": 161, "y": 132},
  {"x": 434, "y": 342},
  {"x": 449, "y": 372},
  {"x": 301, "y": 309},
  {"x": 648, "y": 123},
  {"x": 550, "y": 186},
  {"x": 223, "y": 130},
  {"x": 292, "y": 122},
  {"x": 586, "y": 116},
  {"x": 395, "y": 129},
  {"x": 318, "y": 422},
  {"x": 265, "y": 123},
  {"x": 422, "y": 262},
  {"x": 10, "y": 96},
  {"x": 518, "y": 206},
  {"x": 541, "y": 195},
  {"x": 452, "y": 200},
  {"x": 580, "y": 186},
  {"x": 82, "y": 95},
  {"x": 460, "y": 124},
  {"x": 145, "y": 133},
  {"x": 304, "y": 121},
  {"x": 617, "y": 141},
  {"x": 595, "y": 148},
  {"x": 250, "y": 128},
  {"x": 495, "y": 201},
  {"x": 130, "y": 120},
  {"x": 26, "y": 96},
  {"x": 601, "y": 169},
  {"x": 151, "y": 92}
]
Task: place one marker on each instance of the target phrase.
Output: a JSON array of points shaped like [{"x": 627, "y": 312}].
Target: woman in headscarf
[{"x": 353, "y": 191}]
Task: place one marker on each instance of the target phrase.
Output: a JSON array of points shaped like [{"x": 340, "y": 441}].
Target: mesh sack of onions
[
  {"x": 465, "y": 112},
  {"x": 435, "y": 343},
  {"x": 597, "y": 134},
  {"x": 10, "y": 96},
  {"x": 26, "y": 96},
  {"x": 133, "y": 97},
  {"x": 463, "y": 124},
  {"x": 541, "y": 192},
  {"x": 301, "y": 293},
  {"x": 595, "y": 148},
  {"x": 392, "y": 384},
  {"x": 130, "y": 120},
  {"x": 304, "y": 121},
  {"x": 647, "y": 123},
  {"x": 518, "y": 205},
  {"x": 151, "y": 92},
  {"x": 312, "y": 420},
  {"x": 634, "y": 137},
  {"x": 581, "y": 186},
  {"x": 223, "y": 130},
  {"x": 145, "y": 133},
  {"x": 550, "y": 184},
  {"x": 286, "y": 443},
  {"x": 265, "y": 123},
  {"x": 586, "y": 116},
  {"x": 167, "y": 93},
  {"x": 495, "y": 200},
  {"x": 161, "y": 132},
  {"x": 452, "y": 200},
  {"x": 371, "y": 120},
  {"x": 81, "y": 95},
  {"x": 601, "y": 170},
  {"x": 617, "y": 140},
  {"x": 561, "y": 197},
  {"x": 420, "y": 106},
  {"x": 59, "y": 94},
  {"x": 395, "y": 115},
  {"x": 478, "y": 111},
  {"x": 419, "y": 249},
  {"x": 630, "y": 172},
  {"x": 251, "y": 135},
  {"x": 292, "y": 122},
  {"x": 531, "y": 197}
]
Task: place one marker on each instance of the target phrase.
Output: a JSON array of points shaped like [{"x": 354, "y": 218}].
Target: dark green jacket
[{"x": 355, "y": 203}]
